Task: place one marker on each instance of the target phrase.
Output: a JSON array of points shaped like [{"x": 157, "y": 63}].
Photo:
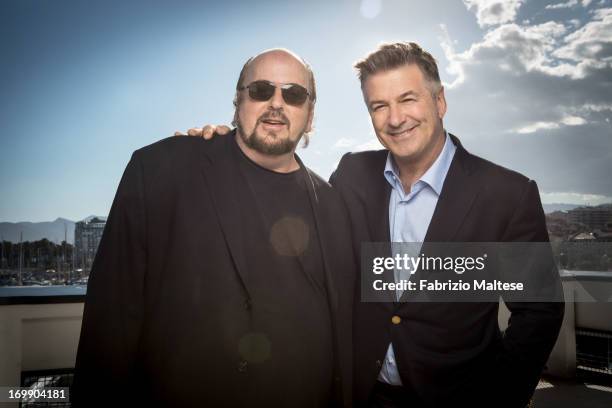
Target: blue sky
[{"x": 86, "y": 83}]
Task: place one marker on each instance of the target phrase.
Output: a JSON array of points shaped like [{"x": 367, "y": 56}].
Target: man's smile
[{"x": 404, "y": 133}]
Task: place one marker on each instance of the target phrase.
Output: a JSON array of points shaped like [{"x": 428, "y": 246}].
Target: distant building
[
  {"x": 599, "y": 217},
  {"x": 87, "y": 236}
]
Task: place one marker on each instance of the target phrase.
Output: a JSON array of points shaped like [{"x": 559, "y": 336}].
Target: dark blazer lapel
[
  {"x": 220, "y": 172},
  {"x": 458, "y": 194},
  {"x": 323, "y": 237},
  {"x": 376, "y": 197}
]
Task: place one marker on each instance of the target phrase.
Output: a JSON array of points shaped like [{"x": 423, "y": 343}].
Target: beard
[{"x": 270, "y": 144}]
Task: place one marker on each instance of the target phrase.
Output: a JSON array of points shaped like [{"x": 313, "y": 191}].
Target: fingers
[
  {"x": 194, "y": 132},
  {"x": 223, "y": 130},
  {"x": 208, "y": 131}
]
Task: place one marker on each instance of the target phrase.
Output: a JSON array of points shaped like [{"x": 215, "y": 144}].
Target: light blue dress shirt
[{"x": 409, "y": 218}]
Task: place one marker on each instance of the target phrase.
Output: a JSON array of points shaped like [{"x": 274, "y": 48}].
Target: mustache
[{"x": 274, "y": 115}]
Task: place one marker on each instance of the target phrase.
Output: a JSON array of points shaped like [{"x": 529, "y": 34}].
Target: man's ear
[
  {"x": 235, "y": 119},
  {"x": 310, "y": 118},
  {"x": 441, "y": 103}
]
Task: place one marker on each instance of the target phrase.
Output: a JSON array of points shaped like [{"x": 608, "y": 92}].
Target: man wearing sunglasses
[
  {"x": 425, "y": 187},
  {"x": 217, "y": 281}
]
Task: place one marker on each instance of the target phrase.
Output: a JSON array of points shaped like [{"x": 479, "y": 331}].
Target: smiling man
[
  {"x": 406, "y": 109},
  {"x": 215, "y": 283},
  {"x": 425, "y": 187}
]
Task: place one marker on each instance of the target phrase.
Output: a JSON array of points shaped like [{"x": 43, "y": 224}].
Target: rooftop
[{"x": 593, "y": 392}]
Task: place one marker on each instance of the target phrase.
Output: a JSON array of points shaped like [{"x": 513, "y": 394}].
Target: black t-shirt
[{"x": 291, "y": 347}]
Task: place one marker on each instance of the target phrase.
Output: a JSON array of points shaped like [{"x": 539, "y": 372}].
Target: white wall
[{"x": 37, "y": 337}]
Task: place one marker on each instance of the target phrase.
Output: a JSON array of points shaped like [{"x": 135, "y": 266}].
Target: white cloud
[
  {"x": 602, "y": 107},
  {"x": 372, "y": 144},
  {"x": 551, "y": 48},
  {"x": 534, "y": 127},
  {"x": 567, "y": 121},
  {"x": 513, "y": 47},
  {"x": 567, "y": 4},
  {"x": 493, "y": 12},
  {"x": 455, "y": 67},
  {"x": 592, "y": 42},
  {"x": 573, "y": 121},
  {"x": 550, "y": 81},
  {"x": 574, "y": 198},
  {"x": 344, "y": 142}
]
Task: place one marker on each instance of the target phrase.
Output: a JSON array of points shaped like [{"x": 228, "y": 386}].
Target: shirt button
[
  {"x": 247, "y": 304},
  {"x": 242, "y": 366},
  {"x": 396, "y": 320}
]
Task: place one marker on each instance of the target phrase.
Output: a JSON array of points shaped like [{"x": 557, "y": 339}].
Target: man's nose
[
  {"x": 277, "y": 101},
  {"x": 396, "y": 118}
]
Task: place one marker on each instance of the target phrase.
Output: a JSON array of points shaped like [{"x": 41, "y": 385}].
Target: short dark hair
[{"x": 389, "y": 56}]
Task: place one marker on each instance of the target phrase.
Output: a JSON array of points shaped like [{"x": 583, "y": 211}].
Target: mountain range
[
  {"x": 54, "y": 231},
  {"x": 550, "y": 208}
]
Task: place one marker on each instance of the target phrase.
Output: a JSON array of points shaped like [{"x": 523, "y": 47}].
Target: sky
[{"x": 85, "y": 83}]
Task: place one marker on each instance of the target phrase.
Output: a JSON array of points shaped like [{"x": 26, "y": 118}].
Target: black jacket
[
  {"x": 452, "y": 354},
  {"x": 168, "y": 297}
]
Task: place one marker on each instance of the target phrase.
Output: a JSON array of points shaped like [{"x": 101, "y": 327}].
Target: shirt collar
[{"x": 434, "y": 176}]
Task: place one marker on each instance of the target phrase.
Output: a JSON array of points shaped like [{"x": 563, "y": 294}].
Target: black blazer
[
  {"x": 168, "y": 296},
  {"x": 452, "y": 354}
]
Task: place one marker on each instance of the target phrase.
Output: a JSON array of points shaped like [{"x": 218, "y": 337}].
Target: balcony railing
[{"x": 40, "y": 326}]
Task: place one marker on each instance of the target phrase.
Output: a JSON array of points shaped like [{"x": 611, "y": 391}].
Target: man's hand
[{"x": 207, "y": 132}]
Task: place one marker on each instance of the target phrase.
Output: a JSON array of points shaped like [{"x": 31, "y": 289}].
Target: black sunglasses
[{"x": 293, "y": 94}]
